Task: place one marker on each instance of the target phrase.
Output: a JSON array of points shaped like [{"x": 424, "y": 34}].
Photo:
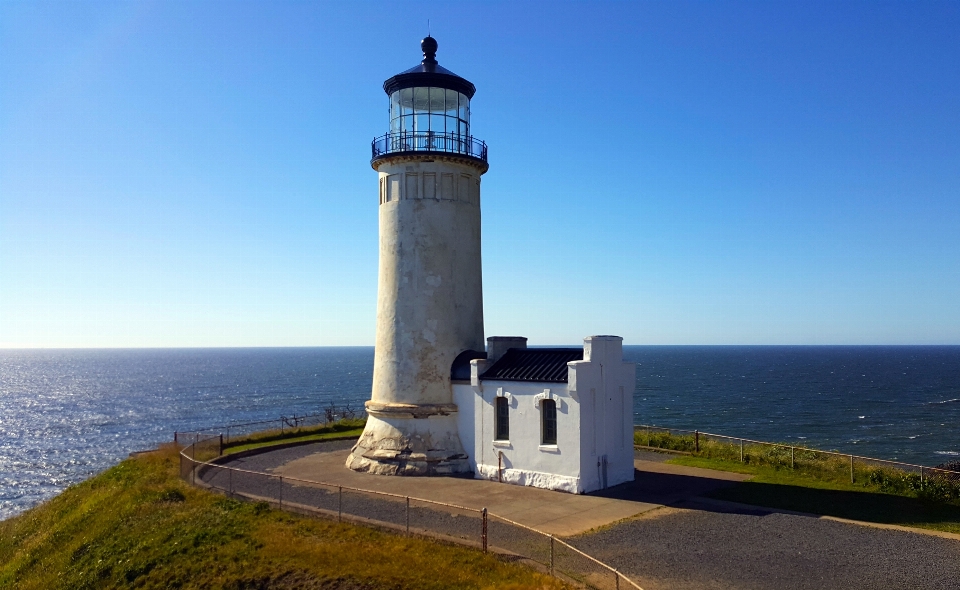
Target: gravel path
[
  {"x": 706, "y": 547},
  {"x": 692, "y": 545}
]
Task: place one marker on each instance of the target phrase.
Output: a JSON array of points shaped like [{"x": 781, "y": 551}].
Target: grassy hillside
[{"x": 137, "y": 525}]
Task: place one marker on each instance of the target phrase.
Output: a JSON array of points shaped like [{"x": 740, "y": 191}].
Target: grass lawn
[
  {"x": 342, "y": 429},
  {"x": 829, "y": 493},
  {"x": 138, "y": 525}
]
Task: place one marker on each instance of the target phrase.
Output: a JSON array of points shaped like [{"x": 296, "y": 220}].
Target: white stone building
[{"x": 558, "y": 418}]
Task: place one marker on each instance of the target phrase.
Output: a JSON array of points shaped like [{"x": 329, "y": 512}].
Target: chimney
[{"x": 497, "y": 346}]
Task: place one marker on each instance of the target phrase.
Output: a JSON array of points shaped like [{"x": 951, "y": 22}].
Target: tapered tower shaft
[{"x": 430, "y": 295}]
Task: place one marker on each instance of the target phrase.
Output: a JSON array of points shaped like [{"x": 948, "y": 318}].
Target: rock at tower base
[{"x": 410, "y": 440}]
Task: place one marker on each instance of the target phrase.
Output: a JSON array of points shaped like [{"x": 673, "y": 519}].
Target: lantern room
[{"x": 429, "y": 110}]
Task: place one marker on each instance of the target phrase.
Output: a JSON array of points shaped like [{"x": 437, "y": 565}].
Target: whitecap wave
[
  {"x": 951, "y": 453},
  {"x": 946, "y": 401}
]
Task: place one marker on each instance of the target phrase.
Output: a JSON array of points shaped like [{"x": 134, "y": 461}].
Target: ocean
[{"x": 67, "y": 414}]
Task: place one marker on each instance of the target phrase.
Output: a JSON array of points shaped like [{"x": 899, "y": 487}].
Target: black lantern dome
[
  {"x": 429, "y": 73},
  {"x": 429, "y": 111}
]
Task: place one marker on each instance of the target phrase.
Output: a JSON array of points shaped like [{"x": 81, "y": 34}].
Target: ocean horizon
[{"x": 66, "y": 414}]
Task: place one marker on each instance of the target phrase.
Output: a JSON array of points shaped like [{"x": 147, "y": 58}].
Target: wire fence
[
  {"x": 232, "y": 432},
  {"x": 889, "y": 476},
  {"x": 404, "y": 514}
]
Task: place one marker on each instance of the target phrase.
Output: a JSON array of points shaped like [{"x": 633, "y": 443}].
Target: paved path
[
  {"x": 550, "y": 512},
  {"x": 659, "y": 529}
]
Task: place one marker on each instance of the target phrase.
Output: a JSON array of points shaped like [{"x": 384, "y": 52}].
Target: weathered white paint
[
  {"x": 594, "y": 420},
  {"x": 429, "y": 309}
]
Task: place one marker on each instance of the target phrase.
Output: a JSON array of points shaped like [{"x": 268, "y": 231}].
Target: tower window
[
  {"x": 502, "y": 419},
  {"x": 548, "y": 422}
]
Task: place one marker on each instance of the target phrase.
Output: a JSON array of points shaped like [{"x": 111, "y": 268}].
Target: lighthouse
[{"x": 429, "y": 290}]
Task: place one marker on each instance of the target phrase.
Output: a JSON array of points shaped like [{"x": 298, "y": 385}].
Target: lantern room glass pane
[
  {"x": 436, "y": 100},
  {"x": 437, "y": 123},
  {"x": 421, "y": 100},
  {"x": 406, "y": 101},
  {"x": 422, "y": 122},
  {"x": 451, "y": 103},
  {"x": 464, "y": 108},
  {"x": 394, "y": 105}
]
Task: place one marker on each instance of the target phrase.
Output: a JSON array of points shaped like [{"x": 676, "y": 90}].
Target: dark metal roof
[
  {"x": 460, "y": 369},
  {"x": 533, "y": 364},
  {"x": 429, "y": 73}
]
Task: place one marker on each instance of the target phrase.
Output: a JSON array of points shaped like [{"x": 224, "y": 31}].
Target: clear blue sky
[{"x": 197, "y": 173}]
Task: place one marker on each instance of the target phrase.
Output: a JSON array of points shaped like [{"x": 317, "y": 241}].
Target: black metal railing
[{"x": 429, "y": 141}]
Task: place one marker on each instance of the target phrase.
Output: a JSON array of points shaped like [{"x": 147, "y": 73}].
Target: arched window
[
  {"x": 548, "y": 422},
  {"x": 502, "y": 419}
]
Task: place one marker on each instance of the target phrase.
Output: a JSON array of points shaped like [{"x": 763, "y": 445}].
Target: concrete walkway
[{"x": 556, "y": 513}]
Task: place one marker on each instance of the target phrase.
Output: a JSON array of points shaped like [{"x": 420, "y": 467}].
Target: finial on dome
[{"x": 429, "y": 47}]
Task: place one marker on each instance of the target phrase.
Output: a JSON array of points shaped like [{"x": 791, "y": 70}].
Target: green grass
[
  {"x": 137, "y": 525},
  {"x": 346, "y": 428},
  {"x": 820, "y": 484}
]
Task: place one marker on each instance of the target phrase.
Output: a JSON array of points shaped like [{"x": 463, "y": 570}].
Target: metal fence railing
[
  {"x": 232, "y": 432},
  {"x": 886, "y": 474},
  {"x": 405, "y": 514}
]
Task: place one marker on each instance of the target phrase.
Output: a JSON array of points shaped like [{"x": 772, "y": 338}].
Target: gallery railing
[
  {"x": 428, "y": 141},
  {"x": 404, "y": 514},
  {"x": 894, "y": 476}
]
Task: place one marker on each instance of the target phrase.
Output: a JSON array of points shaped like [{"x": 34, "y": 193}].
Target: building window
[
  {"x": 548, "y": 422},
  {"x": 502, "y": 419}
]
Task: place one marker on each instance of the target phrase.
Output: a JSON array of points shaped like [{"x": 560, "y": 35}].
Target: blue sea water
[{"x": 66, "y": 414}]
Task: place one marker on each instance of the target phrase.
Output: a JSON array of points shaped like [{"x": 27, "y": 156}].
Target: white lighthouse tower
[{"x": 430, "y": 295}]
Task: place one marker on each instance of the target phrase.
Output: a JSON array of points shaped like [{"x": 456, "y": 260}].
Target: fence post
[
  {"x": 696, "y": 434},
  {"x": 617, "y": 573},
  {"x": 175, "y": 441},
  {"x": 851, "y": 468},
  {"x": 193, "y": 462},
  {"x": 551, "y": 555},
  {"x": 230, "y": 480},
  {"x": 408, "y": 516},
  {"x": 483, "y": 529},
  {"x": 220, "y": 450},
  {"x": 741, "y": 450},
  {"x": 792, "y": 461},
  {"x": 340, "y": 506},
  {"x": 281, "y": 492}
]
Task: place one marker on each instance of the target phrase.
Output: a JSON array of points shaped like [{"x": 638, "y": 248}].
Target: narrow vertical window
[
  {"x": 548, "y": 422},
  {"x": 502, "y": 419}
]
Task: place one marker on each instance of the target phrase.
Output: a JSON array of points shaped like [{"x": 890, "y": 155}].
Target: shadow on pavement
[
  {"x": 674, "y": 490},
  {"x": 866, "y": 506}
]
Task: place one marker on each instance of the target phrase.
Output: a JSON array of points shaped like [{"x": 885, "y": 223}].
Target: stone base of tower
[{"x": 408, "y": 439}]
